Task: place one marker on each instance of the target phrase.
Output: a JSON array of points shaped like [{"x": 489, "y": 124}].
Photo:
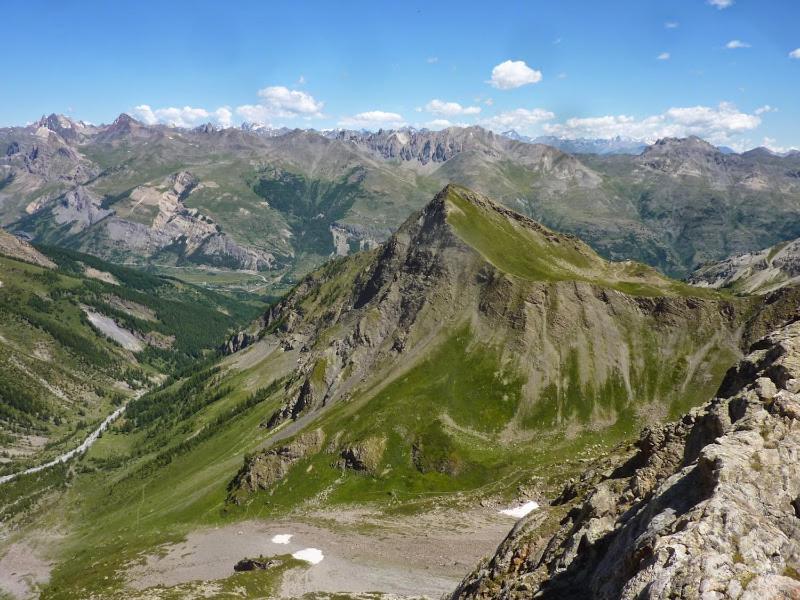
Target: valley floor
[{"x": 421, "y": 555}]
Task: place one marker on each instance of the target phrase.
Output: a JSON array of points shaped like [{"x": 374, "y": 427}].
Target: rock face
[
  {"x": 707, "y": 507},
  {"x": 425, "y": 146},
  {"x": 754, "y": 272},
  {"x": 80, "y": 209},
  {"x": 14, "y": 247},
  {"x": 265, "y": 469},
  {"x": 238, "y": 341},
  {"x": 163, "y": 225}
]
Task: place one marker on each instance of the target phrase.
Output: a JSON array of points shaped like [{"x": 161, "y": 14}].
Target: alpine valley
[{"x": 396, "y": 364}]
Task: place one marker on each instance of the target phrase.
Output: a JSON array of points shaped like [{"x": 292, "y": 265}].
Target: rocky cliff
[
  {"x": 156, "y": 222},
  {"x": 704, "y": 507}
]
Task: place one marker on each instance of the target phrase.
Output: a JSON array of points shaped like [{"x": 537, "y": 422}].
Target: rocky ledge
[{"x": 707, "y": 507}]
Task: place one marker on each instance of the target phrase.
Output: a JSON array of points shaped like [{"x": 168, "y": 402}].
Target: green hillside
[{"x": 61, "y": 374}]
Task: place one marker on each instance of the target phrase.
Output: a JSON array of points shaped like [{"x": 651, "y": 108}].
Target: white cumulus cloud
[
  {"x": 145, "y": 114},
  {"x": 720, "y": 4},
  {"x": 717, "y": 124},
  {"x": 224, "y": 116},
  {"x": 513, "y": 74},
  {"x": 283, "y": 102},
  {"x": 671, "y": 25},
  {"x": 186, "y": 116},
  {"x": 795, "y": 54},
  {"x": 450, "y": 109},
  {"x": 520, "y": 119},
  {"x": 663, "y": 56},
  {"x": 254, "y": 113},
  {"x": 373, "y": 119},
  {"x": 279, "y": 102},
  {"x": 734, "y": 44}
]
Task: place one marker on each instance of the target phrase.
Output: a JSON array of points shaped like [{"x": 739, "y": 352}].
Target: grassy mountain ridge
[{"x": 442, "y": 293}]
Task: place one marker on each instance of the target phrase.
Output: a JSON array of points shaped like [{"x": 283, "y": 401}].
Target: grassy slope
[
  {"x": 542, "y": 255},
  {"x": 59, "y": 375}
]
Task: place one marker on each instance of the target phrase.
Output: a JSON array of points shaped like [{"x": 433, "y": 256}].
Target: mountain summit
[{"x": 473, "y": 318}]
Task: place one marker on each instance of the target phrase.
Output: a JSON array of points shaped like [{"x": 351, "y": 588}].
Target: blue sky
[{"x": 641, "y": 68}]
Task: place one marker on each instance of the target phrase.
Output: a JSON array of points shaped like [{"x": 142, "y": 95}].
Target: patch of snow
[
  {"x": 520, "y": 511},
  {"x": 281, "y": 538},
  {"x": 311, "y": 555}
]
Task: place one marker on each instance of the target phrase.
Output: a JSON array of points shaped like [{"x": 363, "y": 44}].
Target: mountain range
[
  {"x": 280, "y": 202},
  {"x": 615, "y": 145},
  {"x": 475, "y": 357},
  {"x": 437, "y": 351}
]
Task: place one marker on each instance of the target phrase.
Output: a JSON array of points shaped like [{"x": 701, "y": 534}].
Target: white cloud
[
  {"x": 450, "y": 109},
  {"x": 438, "y": 124},
  {"x": 720, "y": 4},
  {"x": 145, "y": 114},
  {"x": 488, "y": 102},
  {"x": 716, "y": 124},
  {"x": 671, "y": 25},
  {"x": 663, "y": 56},
  {"x": 279, "y": 102},
  {"x": 186, "y": 116},
  {"x": 795, "y": 54},
  {"x": 734, "y": 44},
  {"x": 513, "y": 74},
  {"x": 254, "y": 113},
  {"x": 432, "y": 60},
  {"x": 521, "y": 119},
  {"x": 562, "y": 75},
  {"x": 282, "y": 102},
  {"x": 372, "y": 119},
  {"x": 765, "y": 109},
  {"x": 224, "y": 116}
]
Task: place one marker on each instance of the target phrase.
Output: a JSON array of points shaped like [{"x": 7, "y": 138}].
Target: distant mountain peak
[
  {"x": 691, "y": 141},
  {"x": 615, "y": 145},
  {"x": 56, "y": 122},
  {"x": 125, "y": 119},
  {"x": 206, "y": 128}
]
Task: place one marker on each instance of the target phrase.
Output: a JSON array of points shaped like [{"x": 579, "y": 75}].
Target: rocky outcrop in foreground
[{"x": 707, "y": 507}]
